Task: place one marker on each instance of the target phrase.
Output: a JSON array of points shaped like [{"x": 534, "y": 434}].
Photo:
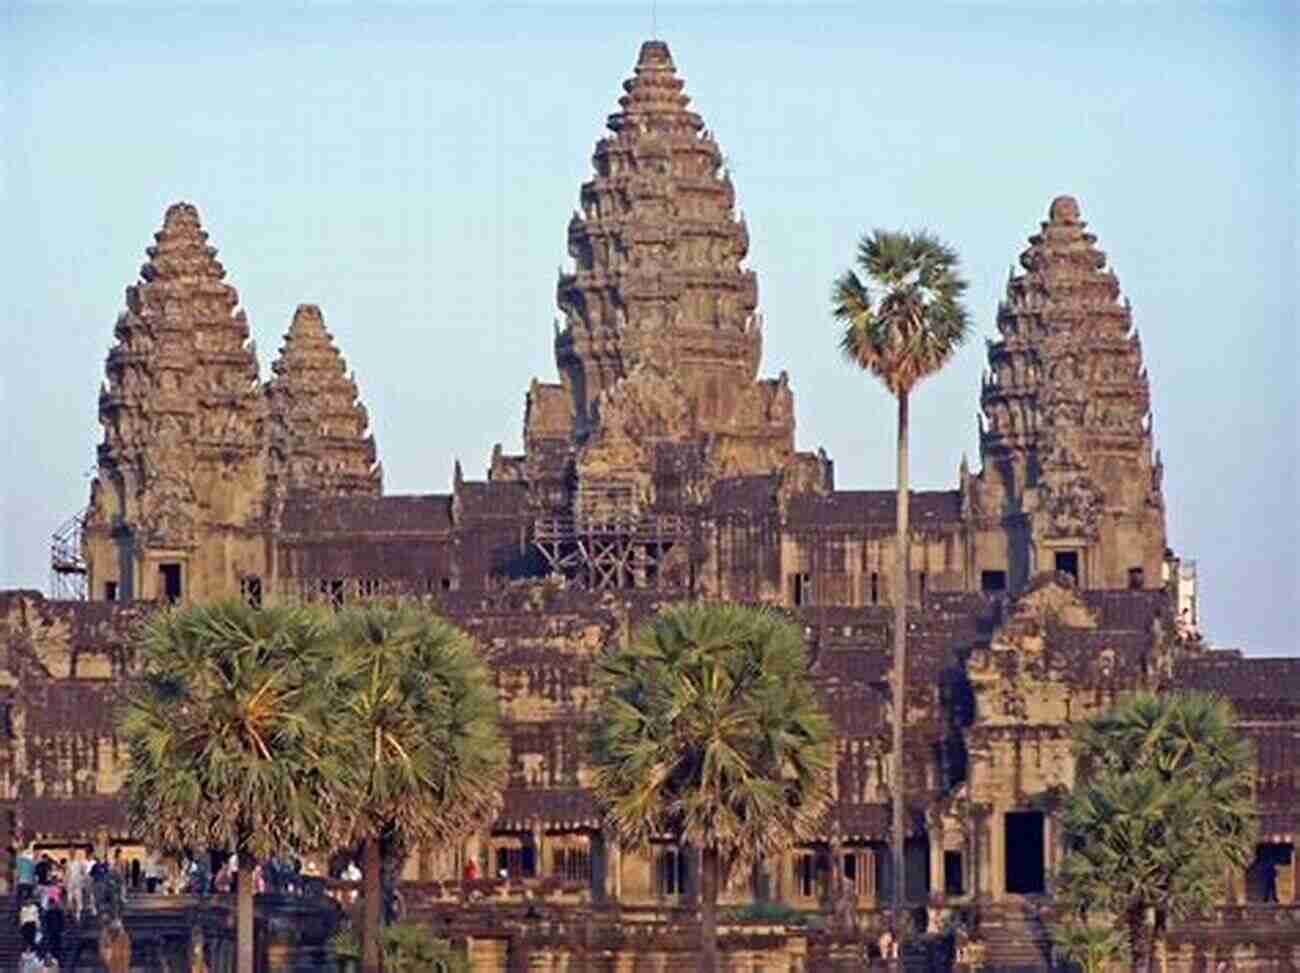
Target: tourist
[
  {"x": 44, "y": 866},
  {"x": 26, "y": 871},
  {"x": 52, "y": 921},
  {"x": 88, "y": 887},
  {"x": 352, "y": 874},
  {"x": 29, "y": 922},
  {"x": 225, "y": 878},
  {"x": 471, "y": 870},
  {"x": 153, "y": 872},
  {"x": 31, "y": 961},
  {"x": 76, "y": 885},
  {"x": 120, "y": 866}
]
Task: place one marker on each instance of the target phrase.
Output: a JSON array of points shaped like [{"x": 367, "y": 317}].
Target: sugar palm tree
[
  {"x": 902, "y": 320},
  {"x": 223, "y": 728},
  {"x": 1162, "y": 808},
  {"x": 708, "y": 732},
  {"x": 414, "y": 724}
]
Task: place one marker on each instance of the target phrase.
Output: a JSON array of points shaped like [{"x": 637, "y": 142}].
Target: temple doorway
[
  {"x": 1271, "y": 876},
  {"x": 1025, "y": 872}
]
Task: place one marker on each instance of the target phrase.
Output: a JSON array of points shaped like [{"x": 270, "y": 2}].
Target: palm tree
[
  {"x": 223, "y": 728},
  {"x": 414, "y": 724},
  {"x": 902, "y": 322},
  {"x": 1090, "y": 947},
  {"x": 1162, "y": 807},
  {"x": 707, "y": 731}
]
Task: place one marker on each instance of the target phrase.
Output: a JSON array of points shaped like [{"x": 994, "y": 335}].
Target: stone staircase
[{"x": 1016, "y": 939}]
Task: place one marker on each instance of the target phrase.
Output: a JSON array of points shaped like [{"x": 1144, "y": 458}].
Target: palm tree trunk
[
  {"x": 373, "y": 893},
  {"x": 900, "y": 672},
  {"x": 1136, "y": 933},
  {"x": 1155, "y": 961},
  {"x": 244, "y": 914},
  {"x": 709, "y": 910}
]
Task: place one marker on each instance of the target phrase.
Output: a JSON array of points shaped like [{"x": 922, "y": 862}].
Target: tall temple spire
[
  {"x": 657, "y": 250},
  {"x": 1067, "y": 443},
  {"x": 319, "y": 440},
  {"x": 181, "y": 411}
]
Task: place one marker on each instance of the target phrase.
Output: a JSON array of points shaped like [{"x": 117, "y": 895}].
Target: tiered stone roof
[
  {"x": 182, "y": 381},
  {"x": 1066, "y": 393},
  {"x": 657, "y": 251},
  {"x": 319, "y": 441}
]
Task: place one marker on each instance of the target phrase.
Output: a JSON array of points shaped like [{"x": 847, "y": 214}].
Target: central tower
[{"x": 658, "y": 282}]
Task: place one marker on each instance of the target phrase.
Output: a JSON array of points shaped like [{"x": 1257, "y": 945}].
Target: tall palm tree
[
  {"x": 414, "y": 725},
  {"x": 708, "y": 731},
  {"x": 224, "y": 731},
  {"x": 902, "y": 321},
  {"x": 1163, "y": 805}
]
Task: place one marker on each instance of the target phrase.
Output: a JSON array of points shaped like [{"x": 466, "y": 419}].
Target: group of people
[{"x": 49, "y": 894}]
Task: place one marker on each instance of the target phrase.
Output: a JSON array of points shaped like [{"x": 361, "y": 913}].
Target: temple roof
[
  {"x": 308, "y": 514},
  {"x": 851, "y": 508}
]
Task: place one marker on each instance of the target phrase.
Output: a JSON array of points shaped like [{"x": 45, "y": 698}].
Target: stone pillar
[
  {"x": 936, "y": 861},
  {"x": 1049, "y": 854},
  {"x": 539, "y": 852},
  {"x": 616, "y": 865},
  {"x": 997, "y": 855}
]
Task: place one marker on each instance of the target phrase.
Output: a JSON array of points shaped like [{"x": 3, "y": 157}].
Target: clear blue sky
[{"x": 411, "y": 168}]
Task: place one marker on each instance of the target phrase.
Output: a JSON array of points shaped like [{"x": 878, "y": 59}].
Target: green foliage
[
  {"x": 776, "y": 913},
  {"x": 414, "y": 723},
  {"x": 1090, "y": 947},
  {"x": 408, "y": 947},
  {"x": 904, "y": 319},
  {"x": 1162, "y": 806},
  {"x": 224, "y": 729},
  {"x": 708, "y": 731}
]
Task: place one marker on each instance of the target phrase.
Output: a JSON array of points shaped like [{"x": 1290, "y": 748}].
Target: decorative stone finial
[
  {"x": 654, "y": 54},
  {"x": 1064, "y": 209},
  {"x": 181, "y": 212}
]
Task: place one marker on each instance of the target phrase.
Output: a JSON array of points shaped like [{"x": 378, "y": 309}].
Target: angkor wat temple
[{"x": 661, "y": 466}]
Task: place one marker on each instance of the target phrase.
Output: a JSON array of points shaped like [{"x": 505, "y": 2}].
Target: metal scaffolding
[
  {"x": 67, "y": 566},
  {"x": 617, "y": 551}
]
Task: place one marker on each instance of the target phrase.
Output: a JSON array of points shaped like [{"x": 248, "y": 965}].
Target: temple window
[
  {"x": 517, "y": 861},
  {"x": 368, "y": 587},
  {"x": 805, "y": 875},
  {"x": 250, "y": 589},
  {"x": 801, "y": 588},
  {"x": 874, "y": 595},
  {"x": 1136, "y": 579},
  {"x": 170, "y": 575},
  {"x": 571, "y": 864},
  {"x": 1067, "y": 562},
  {"x": 110, "y": 591},
  {"x": 993, "y": 582},
  {"x": 953, "y": 879},
  {"x": 920, "y": 584},
  {"x": 671, "y": 872},
  {"x": 332, "y": 589}
]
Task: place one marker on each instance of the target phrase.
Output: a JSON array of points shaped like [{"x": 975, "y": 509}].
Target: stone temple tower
[
  {"x": 661, "y": 339},
  {"x": 1068, "y": 465},
  {"x": 176, "y": 507},
  {"x": 318, "y": 431}
]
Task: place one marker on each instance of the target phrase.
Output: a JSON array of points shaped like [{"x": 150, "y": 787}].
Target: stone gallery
[{"x": 662, "y": 466}]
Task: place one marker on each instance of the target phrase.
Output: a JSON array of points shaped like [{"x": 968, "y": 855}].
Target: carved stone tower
[
  {"x": 318, "y": 441},
  {"x": 659, "y": 351},
  {"x": 1067, "y": 450},
  {"x": 175, "y": 510},
  {"x": 660, "y": 317}
]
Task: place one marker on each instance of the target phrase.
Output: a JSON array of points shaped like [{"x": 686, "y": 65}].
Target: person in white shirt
[
  {"x": 352, "y": 874},
  {"x": 77, "y": 876}
]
